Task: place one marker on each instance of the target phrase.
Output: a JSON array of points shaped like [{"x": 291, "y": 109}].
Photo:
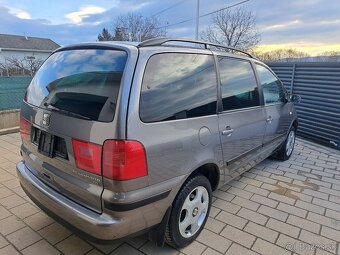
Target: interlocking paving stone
[
  {"x": 291, "y": 244},
  {"x": 126, "y": 249},
  {"x": 252, "y": 216},
  {"x": 194, "y": 248},
  {"x": 3, "y": 242},
  {"x": 262, "y": 232},
  {"x": 9, "y": 250},
  {"x": 283, "y": 227},
  {"x": 231, "y": 219},
  {"x": 10, "y": 224},
  {"x": 23, "y": 238},
  {"x": 274, "y": 204},
  {"x": 315, "y": 239},
  {"x": 54, "y": 233},
  {"x": 256, "y": 190},
  {"x": 38, "y": 221},
  {"x": 226, "y": 206},
  {"x": 24, "y": 210},
  {"x": 214, "y": 241},
  {"x": 273, "y": 213},
  {"x": 265, "y": 247},
  {"x": 214, "y": 225},
  {"x": 264, "y": 200},
  {"x": 236, "y": 249},
  {"x": 238, "y": 236},
  {"x": 302, "y": 223},
  {"x": 73, "y": 245},
  {"x": 41, "y": 247}
]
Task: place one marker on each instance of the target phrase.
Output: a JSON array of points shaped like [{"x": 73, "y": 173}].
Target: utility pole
[{"x": 197, "y": 19}]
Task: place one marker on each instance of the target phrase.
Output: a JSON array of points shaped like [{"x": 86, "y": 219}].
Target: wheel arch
[
  {"x": 211, "y": 171},
  {"x": 295, "y": 123}
]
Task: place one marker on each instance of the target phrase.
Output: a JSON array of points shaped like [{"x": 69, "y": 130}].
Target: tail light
[
  {"x": 25, "y": 129},
  {"x": 87, "y": 156},
  {"x": 124, "y": 160}
]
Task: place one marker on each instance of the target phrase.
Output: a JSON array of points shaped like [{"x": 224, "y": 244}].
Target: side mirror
[{"x": 295, "y": 99}]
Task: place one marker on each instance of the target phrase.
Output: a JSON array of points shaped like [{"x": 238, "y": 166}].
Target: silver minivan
[{"x": 118, "y": 139}]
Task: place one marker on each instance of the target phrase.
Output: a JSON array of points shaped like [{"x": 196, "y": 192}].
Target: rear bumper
[{"x": 102, "y": 226}]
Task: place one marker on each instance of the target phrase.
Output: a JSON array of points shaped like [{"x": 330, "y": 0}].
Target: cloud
[
  {"x": 21, "y": 14},
  {"x": 285, "y": 23},
  {"x": 329, "y": 22},
  {"x": 282, "y": 25},
  {"x": 84, "y": 12},
  {"x": 135, "y": 6},
  {"x": 62, "y": 34}
]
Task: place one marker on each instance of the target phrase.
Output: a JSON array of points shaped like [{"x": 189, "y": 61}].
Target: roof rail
[{"x": 161, "y": 41}]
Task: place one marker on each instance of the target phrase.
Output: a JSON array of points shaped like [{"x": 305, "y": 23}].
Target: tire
[
  {"x": 189, "y": 213},
  {"x": 287, "y": 146}
]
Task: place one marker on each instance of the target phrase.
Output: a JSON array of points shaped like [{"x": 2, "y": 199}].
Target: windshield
[{"x": 83, "y": 81}]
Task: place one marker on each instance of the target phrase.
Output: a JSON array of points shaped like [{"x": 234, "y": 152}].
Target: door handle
[
  {"x": 228, "y": 131},
  {"x": 269, "y": 119}
]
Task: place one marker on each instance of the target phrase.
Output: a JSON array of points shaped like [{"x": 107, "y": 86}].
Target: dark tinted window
[
  {"x": 178, "y": 86},
  {"x": 239, "y": 87},
  {"x": 271, "y": 86},
  {"x": 84, "y": 82}
]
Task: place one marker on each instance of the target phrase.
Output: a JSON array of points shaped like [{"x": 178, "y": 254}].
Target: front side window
[
  {"x": 178, "y": 86},
  {"x": 271, "y": 86},
  {"x": 238, "y": 84}
]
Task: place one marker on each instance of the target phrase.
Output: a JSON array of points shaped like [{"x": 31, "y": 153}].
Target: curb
[{"x": 6, "y": 131}]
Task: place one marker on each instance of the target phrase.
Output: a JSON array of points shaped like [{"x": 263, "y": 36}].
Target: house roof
[{"x": 27, "y": 43}]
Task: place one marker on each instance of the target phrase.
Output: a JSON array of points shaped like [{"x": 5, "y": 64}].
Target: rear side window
[
  {"x": 238, "y": 84},
  {"x": 178, "y": 86},
  {"x": 273, "y": 91},
  {"x": 84, "y": 82}
]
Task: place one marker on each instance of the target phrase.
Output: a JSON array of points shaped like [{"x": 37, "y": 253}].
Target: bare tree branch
[
  {"x": 33, "y": 64},
  {"x": 235, "y": 28},
  {"x": 133, "y": 27},
  {"x": 20, "y": 66},
  {"x": 282, "y": 55}
]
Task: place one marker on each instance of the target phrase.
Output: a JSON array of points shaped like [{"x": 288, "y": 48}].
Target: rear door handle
[
  {"x": 269, "y": 119},
  {"x": 228, "y": 131}
]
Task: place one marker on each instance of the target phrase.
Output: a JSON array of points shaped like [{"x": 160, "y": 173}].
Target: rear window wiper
[{"x": 56, "y": 109}]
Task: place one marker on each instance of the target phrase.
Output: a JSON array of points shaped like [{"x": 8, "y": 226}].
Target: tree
[
  {"x": 118, "y": 34},
  {"x": 282, "y": 55},
  {"x": 33, "y": 64},
  {"x": 134, "y": 27},
  {"x": 233, "y": 27},
  {"x": 16, "y": 64},
  {"x": 4, "y": 69},
  {"x": 329, "y": 56},
  {"x": 20, "y": 66},
  {"x": 105, "y": 35}
]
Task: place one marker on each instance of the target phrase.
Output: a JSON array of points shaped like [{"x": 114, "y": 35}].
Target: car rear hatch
[{"x": 69, "y": 110}]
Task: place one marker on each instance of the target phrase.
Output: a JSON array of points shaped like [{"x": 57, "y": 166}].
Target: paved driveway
[{"x": 275, "y": 208}]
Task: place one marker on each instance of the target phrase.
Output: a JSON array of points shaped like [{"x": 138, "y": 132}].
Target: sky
[{"x": 312, "y": 26}]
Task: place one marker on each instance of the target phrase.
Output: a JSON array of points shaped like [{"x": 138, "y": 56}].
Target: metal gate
[{"x": 318, "y": 84}]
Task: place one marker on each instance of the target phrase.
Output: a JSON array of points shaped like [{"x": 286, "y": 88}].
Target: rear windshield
[{"x": 83, "y": 83}]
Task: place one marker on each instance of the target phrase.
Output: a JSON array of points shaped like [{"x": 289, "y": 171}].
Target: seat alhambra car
[{"x": 118, "y": 139}]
